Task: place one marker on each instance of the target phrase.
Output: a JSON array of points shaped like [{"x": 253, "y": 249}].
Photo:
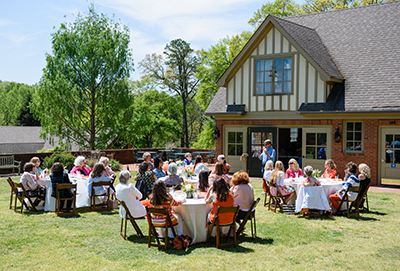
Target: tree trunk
[
  {"x": 185, "y": 125},
  {"x": 92, "y": 120}
]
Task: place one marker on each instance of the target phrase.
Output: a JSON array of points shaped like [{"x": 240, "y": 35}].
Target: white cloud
[
  {"x": 7, "y": 22},
  {"x": 18, "y": 39}
]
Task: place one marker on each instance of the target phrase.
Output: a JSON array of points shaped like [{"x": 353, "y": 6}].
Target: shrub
[
  {"x": 114, "y": 165},
  {"x": 66, "y": 159}
]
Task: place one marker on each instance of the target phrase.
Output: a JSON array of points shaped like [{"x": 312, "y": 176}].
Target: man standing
[{"x": 268, "y": 153}]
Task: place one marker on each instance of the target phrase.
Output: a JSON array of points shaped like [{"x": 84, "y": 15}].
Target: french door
[{"x": 316, "y": 147}]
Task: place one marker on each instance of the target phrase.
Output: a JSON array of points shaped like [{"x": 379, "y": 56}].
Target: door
[
  {"x": 255, "y": 142},
  {"x": 390, "y": 156},
  {"x": 316, "y": 147}
]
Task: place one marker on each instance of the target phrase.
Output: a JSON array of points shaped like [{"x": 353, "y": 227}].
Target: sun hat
[{"x": 172, "y": 169}]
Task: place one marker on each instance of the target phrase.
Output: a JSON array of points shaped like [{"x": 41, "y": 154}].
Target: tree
[
  {"x": 176, "y": 73},
  {"x": 83, "y": 92},
  {"x": 25, "y": 117},
  {"x": 314, "y": 6},
  {"x": 279, "y": 8}
]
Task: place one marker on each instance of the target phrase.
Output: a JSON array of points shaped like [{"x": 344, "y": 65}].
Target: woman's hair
[
  {"x": 124, "y": 176},
  {"x": 351, "y": 167},
  {"x": 219, "y": 168},
  {"x": 171, "y": 161},
  {"x": 278, "y": 169},
  {"x": 295, "y": 163},
  {"x": 78, "y": 160},
  {"x": 240, "y": 177},
  {"x": 159, "y": 193},
  {"x": 269, "y": 165},
  {"x": 203, "y": 180},
  {"x": 364, "y": 169},
  {"x": 145, "y": 155},
  {"x": 104, "y": 160},
  {"x": 308, "y": 170},
  {"x": 199, "y": 159},
  {"x": 330, "y": 163},
  {"x": 157, "y": 161},
  {"x": 143, "y": 167},
  {"x": 188, "y": 154},
  {"x": 97, "y": 170},
  {"x": 220, "y": 187},
  {"x": 28, "y": 167},
  {"x": 35, "y": 160},
  {"x": 57, "y": 167}
]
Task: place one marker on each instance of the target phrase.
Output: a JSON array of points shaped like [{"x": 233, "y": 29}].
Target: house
[{"x": 322, "y": 85}]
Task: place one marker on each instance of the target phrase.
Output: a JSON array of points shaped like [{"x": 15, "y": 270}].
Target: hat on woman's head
[
  {"x": 221, "y": 157},
  {"x": 172, "y": 169}
]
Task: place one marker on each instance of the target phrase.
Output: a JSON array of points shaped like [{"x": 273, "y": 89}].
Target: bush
[
  {"x": 66, "y": 159},
  {"x": 114, "y": 165}
]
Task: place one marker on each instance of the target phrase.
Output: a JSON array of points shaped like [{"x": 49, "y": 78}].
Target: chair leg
[
  {"x": 234, "y": 235},
  {"x": 217, "y": 236},
  {"x": 251, "y": 225},
  {"x": 366, "y": 199},
  {"x": 122, "y": 228},
  {"x": 11, "y": 198}
]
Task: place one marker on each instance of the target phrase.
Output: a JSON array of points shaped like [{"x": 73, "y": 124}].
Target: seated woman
[
  {"x": 80, "y": 167},
  {"x": 221, "y": 159},
  {"x": 36, "y": 161},
  {"x": 269, "y": 167},
  {"x": 277, "y": 182},
  {"x": 199, "y": 166},
  {"x": 29, "y": 182},
  {"x": 97, "y": 176},
  {"x": 172, "y": 178},
  {"x": 109, "y": 172},
  {"x": 311, "y": 180},
  {"x": 330, "y": 169},
  {"x": 351, "y": 181},
  {"x": 147, "y": 176},
  {"x": 293, "y": 171},
  {"x": 364, "y": 177},
  {"x": 219, "y": 196},
  {"x": 203, "y": 181},
  {"x": 165, "y": 166},
  {"x": 161, "y": 199},
  {"x": 158, "y": 168},
  {"x": 219, "y": 173},
  {"x": 58, "y": 176},
  {"x": 147, "y": 158},
  {"x": 243, "y": 193},
  {"x": 188, "y": 159},
  {"x": 128, "y": 193}
]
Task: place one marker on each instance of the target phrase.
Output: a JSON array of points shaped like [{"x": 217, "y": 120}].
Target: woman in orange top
[
  {"x": 330, "y": 169},
  {"x": 220, "y": 196}
]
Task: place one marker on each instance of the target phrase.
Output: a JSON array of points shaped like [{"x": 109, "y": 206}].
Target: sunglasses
[{"x": 291, "y": 163}]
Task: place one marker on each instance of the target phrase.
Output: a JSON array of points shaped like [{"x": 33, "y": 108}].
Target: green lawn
[{"x": 43, "y": 241}]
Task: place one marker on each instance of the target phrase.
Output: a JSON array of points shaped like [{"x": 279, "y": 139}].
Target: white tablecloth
[
  {"x": 312, "y": 197},
  {"x": 330, "y": 186},
  {"x": 194, "y": 216}
]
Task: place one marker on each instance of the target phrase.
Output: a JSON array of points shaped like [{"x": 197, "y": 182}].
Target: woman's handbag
[{"x": 113, "y": 204}]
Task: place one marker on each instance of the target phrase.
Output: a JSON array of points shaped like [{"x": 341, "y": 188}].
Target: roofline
[
  {"x": 346, "y": 112},
  {"x": 225, "y": 113}
]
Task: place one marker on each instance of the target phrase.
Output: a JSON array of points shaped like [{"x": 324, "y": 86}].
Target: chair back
[
  {"x": 225, "y": 210},
  {"x": 11, "y": 183},
  {"x": 59, "y": 188},
  {"x": 128, "y": 214},
  {"x": 97, "y": 184},
  {"x": 65, "y": 186},
  {"x": 167, "y": 224}
]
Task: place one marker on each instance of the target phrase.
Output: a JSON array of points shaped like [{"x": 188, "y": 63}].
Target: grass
[{"x": 43, "y": 241}]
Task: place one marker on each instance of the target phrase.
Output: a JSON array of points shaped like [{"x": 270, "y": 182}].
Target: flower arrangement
[
  {"x": 188, "y": 171},
  {"x": 188, "y": 189},
  {"x": 179, "y": 163},
  {"x": 316, "y": 173}
]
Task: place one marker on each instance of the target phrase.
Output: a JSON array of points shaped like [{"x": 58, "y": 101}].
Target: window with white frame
[
  {"x": 354, "y": 136},
  {"x": 235, "y": 143},
  {"x": 274, "y": 76}
]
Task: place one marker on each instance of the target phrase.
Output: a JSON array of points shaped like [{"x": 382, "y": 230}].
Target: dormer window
[{"x": 274, "y": 76}]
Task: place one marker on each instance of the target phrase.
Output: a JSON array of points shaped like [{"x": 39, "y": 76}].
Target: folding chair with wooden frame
[
  {"x": 348, "y": 202},
  {"x": 231, "y": 225},
  {"x": 61, "y": 210},
  {"x": 22, "y": 194},
  {"x": 107, "y": 195},
  {"x": 362, "y": 194},
  {"x": 267, "y": 192},
  {"x": 131, "y": 219},
  {"x": 152, "y": 228},
  {"x": 11, "y": 183},
  {"x": 365, "y": 199},
  {"x": 274, "y": 198},
  {"x": 251, "y": 215}
]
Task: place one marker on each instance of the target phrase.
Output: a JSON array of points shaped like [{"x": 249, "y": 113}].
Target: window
[
  {"x": 316, "y": 146},
  {"x": 274, "y": 76},
  {"x": 353, "y": 141},
  {"x": 235, "y": 143}
]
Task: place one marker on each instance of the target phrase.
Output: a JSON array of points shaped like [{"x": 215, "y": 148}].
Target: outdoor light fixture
[
  {"x": 216, "y": 133},
  {"x": 337, "y": 135}
]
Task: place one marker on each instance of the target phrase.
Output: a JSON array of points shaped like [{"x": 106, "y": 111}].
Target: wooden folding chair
[
  {"x": 11, "y": 183},
  {"x": 266, "y": 193},
  {"x": 152, "y": 227},
  {"x": 107, "y": 195},
  {"x": 361, "y": 198},
  {"x": 131, "y": 219},
  {"x": 21, "y": 195},
  {"x": 61, "y": 210},
  {"x": 251, "y": 215},
  {"x": 274, "y": 198},
  {"x": 349, "y": 202},
  {"x": 231, "y": 225}
]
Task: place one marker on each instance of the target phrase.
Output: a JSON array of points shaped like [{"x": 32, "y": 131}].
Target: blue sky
[{"x": 26, "y": 27}]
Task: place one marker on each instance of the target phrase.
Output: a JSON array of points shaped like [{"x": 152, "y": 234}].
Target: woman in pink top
[
  {"x": 108, "y": 172},
  {"x": 219, "y": 173},
  {"x": 80, "y": 167},
  {"x": 243, "y": 193},
  {"x": 311, "y": 180},
  {"x": 293, "y": 169}
]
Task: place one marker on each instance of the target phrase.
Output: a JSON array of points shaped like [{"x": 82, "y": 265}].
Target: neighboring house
[
  {"x": 322, "y": 85},
  {"x": 23, "y": 139}
]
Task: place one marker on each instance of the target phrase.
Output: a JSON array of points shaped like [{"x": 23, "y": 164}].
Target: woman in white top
[
  {"x": 199, "y": 166},
  {"x": 269, "y": 167},
  {"x": 128, "y": 193},
  {"x": 277, "y": 182}
]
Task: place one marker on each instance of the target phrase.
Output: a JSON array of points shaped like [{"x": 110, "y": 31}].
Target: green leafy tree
[
  {"x": 176, "y": 73},
  {"x": 279, "y": 8},
  {"x": 314, "y": 6},
  {"x": 25, "y": 117},
  {"x": 84, "y": 91}
]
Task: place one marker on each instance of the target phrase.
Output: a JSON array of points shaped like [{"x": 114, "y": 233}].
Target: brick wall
[{"x": 371, "y": 134}]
